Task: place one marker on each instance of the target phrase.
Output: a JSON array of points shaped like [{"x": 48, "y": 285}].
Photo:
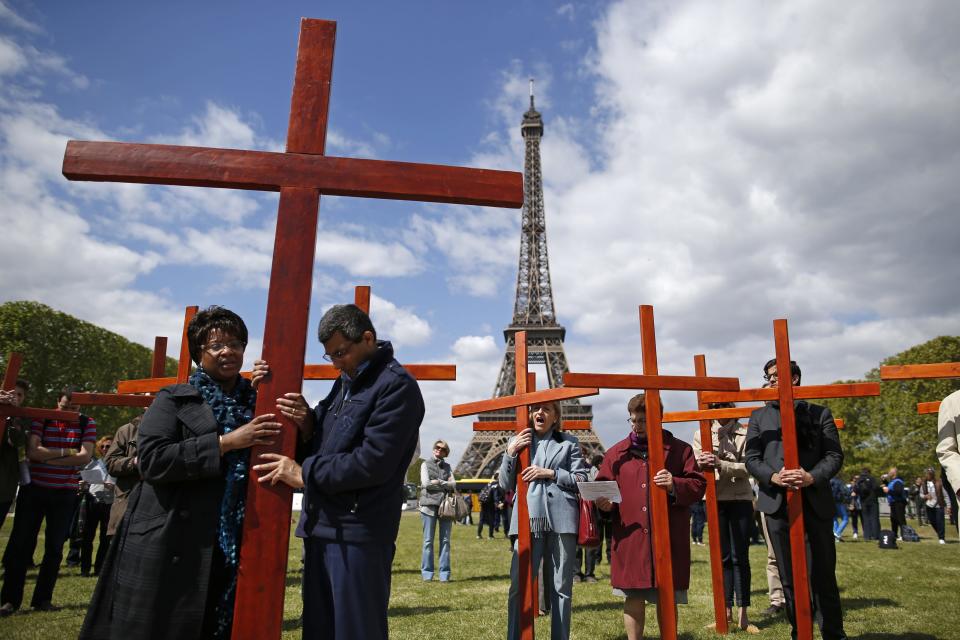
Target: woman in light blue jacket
[{"x": 556, "y": 467}]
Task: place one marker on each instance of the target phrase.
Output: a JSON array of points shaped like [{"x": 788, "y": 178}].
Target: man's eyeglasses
[
  {"x": 215, "y": 348},
  {"x": 339, "y": 353},
  {"x": 638, "y": 420},
  {"x": 770, "y": 377}
]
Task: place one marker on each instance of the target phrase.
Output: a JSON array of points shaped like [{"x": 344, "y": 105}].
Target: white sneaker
[
  {"x": 855, "y": 536},
  {"x": 899, "y": 539},
  {"x": 943, "y": 542}
]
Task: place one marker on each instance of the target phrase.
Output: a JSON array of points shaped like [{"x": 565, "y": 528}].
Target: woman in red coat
[{"x": 631, "y": 561}]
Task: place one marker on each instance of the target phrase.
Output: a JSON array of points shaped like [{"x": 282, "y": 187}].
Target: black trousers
[
  {"x": 34, "y": 504},
  {"x": 96, "y": 517},
  {"x": 736, "y": 518},
  {"x": 821, "y": 570},
  {"x": 898, "y": 517},
  {"x": 870, "y": 515}
]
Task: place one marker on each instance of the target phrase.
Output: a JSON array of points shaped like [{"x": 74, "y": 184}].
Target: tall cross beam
[
  {"x": 521, "y": 401},
  {"x": 932, "y": 371},
  {"x": 720, "y": 414},
  {"x": 301, "y": 174},
  {"x": 786, "y": 393},
  {"x": 14, "y": 362},
  {"x": 653, "y": 383}
]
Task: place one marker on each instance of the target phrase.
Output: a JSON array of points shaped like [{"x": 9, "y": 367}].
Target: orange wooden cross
[
  {"x": 786, "y": 393},
  {"x": 157, "y": 366},
  {"x": 933, "y": 371},
  {"x": 521, "y": 400},
  {"x": 653, "y": 383},
  {"x": 14, "y": 362},
  {"x": 301, "y": 174},
  {"x": 705, "y": 416}
]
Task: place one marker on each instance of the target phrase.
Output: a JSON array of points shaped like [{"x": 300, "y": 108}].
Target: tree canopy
[
  {"x": 887, "y": 431},
  {"x": 60, "y": 351}
]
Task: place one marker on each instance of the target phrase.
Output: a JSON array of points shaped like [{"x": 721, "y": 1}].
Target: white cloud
[
  {"x": 11, "y": 17},
  {"x": 12, "y": 59},
  {"x": 399, "y": 325}
]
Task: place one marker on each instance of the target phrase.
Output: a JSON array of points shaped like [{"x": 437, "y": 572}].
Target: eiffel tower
[{"x": 533, "y": 312}]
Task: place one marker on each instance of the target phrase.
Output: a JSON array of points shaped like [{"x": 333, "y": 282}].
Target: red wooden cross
[
  {"x": 521, "y": 400},
  {"x": 938, "y": 370},
  {"x": 119, "y": 399},
  {"x": 786, "y": 393},
  {"x": 301, "y": 175},
  {"x": 14, "y": 362},
  {"x": 653, "y": 384}
]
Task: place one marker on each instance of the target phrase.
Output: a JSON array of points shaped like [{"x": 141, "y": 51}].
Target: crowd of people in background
[{"x": 174, "y": 462}]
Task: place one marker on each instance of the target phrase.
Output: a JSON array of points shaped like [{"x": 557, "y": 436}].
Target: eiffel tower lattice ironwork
[{"x": 533, "y": 312}]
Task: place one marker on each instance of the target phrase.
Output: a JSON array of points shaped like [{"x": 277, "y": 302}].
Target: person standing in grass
[
  {"x": 727, "y": 462},
  {"x": 631, "y": 564},
  {"x": 436, "y": 482},
  {"x": 555, "y": 468},
  {"x": 896, "y": 493},
  {"x": 934, "y": 502},
  {"x": 821, "y": 458}
]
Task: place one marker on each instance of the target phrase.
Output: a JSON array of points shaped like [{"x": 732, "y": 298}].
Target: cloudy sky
[{"x": 728, "y": 162}]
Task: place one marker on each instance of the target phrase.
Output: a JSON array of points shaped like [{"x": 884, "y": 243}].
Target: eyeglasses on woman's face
[{"x": 216, "y": 348}]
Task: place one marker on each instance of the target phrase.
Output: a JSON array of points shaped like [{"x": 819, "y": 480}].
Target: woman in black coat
[{"x": 171, "y": 570}]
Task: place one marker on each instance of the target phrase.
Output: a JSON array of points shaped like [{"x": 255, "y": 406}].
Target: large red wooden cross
[
  {"x": 653, "y": 383},
  {"x": 933, "y": 371},
  {"x": 120, "y": 399},
  {"x": 521, "y": 401},
  {"x": 786, "y": 393},
  {"x": 14, "y": 362},
  {"x": 301, "y": 175},
  {"x": 705, "y": 416}
]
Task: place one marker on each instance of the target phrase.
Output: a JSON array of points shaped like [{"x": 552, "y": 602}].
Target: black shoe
[
  {"x": 7, "y": 610},
  {"x": 773, "y": 610},
  {"x": 45, "y": 606}
]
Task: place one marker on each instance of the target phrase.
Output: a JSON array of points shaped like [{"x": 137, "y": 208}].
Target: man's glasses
[
  {"x": 339, "y": 353},
  {"x": 770, "y": 377},
  {"x": 215, "y": 348}
]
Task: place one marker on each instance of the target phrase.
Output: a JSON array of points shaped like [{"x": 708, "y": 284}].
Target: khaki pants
[{"x": 774, "y": 587}]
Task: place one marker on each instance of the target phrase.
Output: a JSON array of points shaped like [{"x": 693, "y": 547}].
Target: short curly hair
[{"x": 211, "y": 318}]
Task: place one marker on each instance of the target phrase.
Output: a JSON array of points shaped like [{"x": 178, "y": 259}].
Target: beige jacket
[
  {"x": 729, "y": 445},
  {"x": 947, "y": 429}
]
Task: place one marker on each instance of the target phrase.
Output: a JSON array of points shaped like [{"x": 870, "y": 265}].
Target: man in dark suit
[
  {"x": 820, "y": 459},
  {"x": 358, "y": 443}
]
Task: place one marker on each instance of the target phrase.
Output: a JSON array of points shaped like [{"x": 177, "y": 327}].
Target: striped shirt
[{"x": 57, "y": 434}]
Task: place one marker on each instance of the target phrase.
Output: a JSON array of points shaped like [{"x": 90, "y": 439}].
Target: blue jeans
[
  {"x": 429, "y": 531},
  {"x": 557, "y": 551},
  {"x": 843, "y": 516}
]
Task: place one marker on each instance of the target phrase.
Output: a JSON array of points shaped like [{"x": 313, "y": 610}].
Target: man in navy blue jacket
[{"x": 358, "y": 443}]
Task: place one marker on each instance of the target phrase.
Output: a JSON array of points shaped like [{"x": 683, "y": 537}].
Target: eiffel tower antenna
[{"x": 533, "y": 312}]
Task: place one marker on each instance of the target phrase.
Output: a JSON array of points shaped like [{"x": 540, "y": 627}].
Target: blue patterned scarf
[{"x": 232, "y": 411}]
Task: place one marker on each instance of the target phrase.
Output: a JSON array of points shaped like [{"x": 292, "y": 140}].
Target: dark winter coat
[
  {"x": 154, "y": 580},
  {"x": 818, "y": 445},
  {"x": 631, "y": 559},
  {"x": 359, "y": 454}
]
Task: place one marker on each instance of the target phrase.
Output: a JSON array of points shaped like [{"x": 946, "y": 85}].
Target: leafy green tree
[
  {"x": 887, "y": 431},
  {"x": 60, "y": 350}
]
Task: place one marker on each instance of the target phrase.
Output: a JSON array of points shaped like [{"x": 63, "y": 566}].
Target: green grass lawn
[{"x": 909, "y": 593}]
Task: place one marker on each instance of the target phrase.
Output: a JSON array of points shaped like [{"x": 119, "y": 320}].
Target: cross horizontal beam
[
  {"x": 568, "y": 425},
  {"x": 112, "y": 399},
  {"x": 920, "y": 371},
  {"x": 271, "y": 171},
  {"x": 814, "y": 391},
  {"x": 928, "y": 407},
  {"x": 520, "y": 400},
  {"x": 720, "y": 414},
  {"x": 34, "y": 413},
  {"x": 650, "y": 382}
]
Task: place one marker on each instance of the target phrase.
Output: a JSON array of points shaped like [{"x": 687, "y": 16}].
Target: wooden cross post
[
  {"x": 301, "y": 174},
  {"x": 521, "y": 400},
  {"x": 934, "y": 371},
  {"x": 14, "y": 362},
  {"x": 157, "y": 382},
  {"x": 157, "y": 366},
  {"x": 786, "y": 393},
  {"x": 706, "y": 416},
  {"x": 653, "y": 383}
]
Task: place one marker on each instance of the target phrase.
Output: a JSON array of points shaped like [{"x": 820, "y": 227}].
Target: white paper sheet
[
  {"x": 602, "y": 489},
  {"x": 93, "y": 476}
]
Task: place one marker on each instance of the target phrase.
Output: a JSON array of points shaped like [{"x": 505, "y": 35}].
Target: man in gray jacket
[{"x": 821, "y": 457}]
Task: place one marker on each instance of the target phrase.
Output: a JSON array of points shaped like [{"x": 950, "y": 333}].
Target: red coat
[{"x": 631, "y": 561}]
